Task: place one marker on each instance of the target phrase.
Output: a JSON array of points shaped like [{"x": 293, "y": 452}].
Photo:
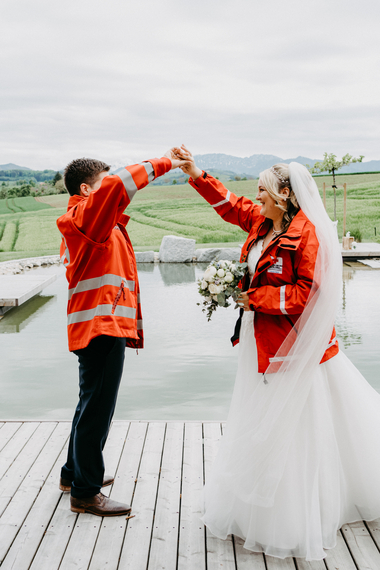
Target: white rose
[
  {"x": 204, "y": 284},
  {"x": 220, "y": 272},
  {"x": 209, "y": 273},
  {"x": 222, "y": 263},
  {"x": 215, "y": 289},
  {"x": 215, "y": 297},
  {"x": 208, "y": 299},
  {"x": 229, "y": 277}
]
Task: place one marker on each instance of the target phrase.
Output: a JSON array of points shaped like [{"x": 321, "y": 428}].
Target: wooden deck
[{"x": 159, "y": 468}]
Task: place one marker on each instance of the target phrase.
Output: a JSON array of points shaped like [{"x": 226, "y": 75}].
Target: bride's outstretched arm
[{"x": 236, "y": 210}]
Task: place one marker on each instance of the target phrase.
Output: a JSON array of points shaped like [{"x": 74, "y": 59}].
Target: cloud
[{"x": 128, "y": 79}]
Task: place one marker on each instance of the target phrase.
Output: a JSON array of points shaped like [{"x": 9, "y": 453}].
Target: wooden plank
[
  {"x": 15, "y": 445},
  {"x": 35, "y": 527},
  {"x": 86, "y": 529},
  {"x": 246, "y": 559},
  {"x": 139, "y": 529},
  {"x": 339, "y": 557},
  {"x": 110, "y": 540},
  {"x": 163, "y": 551},
  {"x": 18, "y": 508},
  {"x": 20, "y": 467},
  {"x": 16, "y": 289},
  {"x": 374, "y": 530},
  {"x": 7, "y": 432},
  {"x": 302, "y": 564},
  {"x": 191, "y": 548},
  {"x": 219, "y": 552},
  {"x": 361, "y": 546},
  {"x": 280, "y": 563}
]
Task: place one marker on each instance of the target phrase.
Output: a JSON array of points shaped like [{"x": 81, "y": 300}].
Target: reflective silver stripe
[
  {"x": 139, "y": 325},
  {"x": 149, "y": 170},
  {"x": 100, "y": 311},
  {"x": 280, "y": 358},
  {"x": 97, "y": 282},
  {"x": 129, "y": 183},
  {"x": 66, "y": 254},
  {"x": 331, "y": 343},
  {"x": 138, "y": 298},
  {"x": 282, "y": 300},
  {"x": 223, "y": 201}
]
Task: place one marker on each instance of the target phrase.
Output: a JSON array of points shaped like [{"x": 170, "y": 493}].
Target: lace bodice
[{"x": 254, "y": 256}]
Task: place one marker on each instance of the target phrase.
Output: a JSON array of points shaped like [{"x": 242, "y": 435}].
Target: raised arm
[
  {"x": 98, "y": 214},
  {"x": 239, "y": 211}
]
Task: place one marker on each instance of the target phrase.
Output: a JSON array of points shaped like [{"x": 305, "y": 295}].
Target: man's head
[{"x": 83, "y": 175}]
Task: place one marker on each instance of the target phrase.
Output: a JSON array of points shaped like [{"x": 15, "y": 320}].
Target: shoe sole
[
  {"x": 89, "y": 511},
  {"x": 67, "y": 489}
]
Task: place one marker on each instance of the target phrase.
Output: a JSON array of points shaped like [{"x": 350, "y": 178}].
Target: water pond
[{"x": 187, "y": 368}]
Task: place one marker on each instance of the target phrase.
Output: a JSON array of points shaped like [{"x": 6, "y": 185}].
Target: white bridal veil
[{"x": 276, "y": 407}]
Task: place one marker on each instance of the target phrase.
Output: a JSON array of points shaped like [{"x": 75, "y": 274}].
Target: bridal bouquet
[{"x": 220, "y": 282}]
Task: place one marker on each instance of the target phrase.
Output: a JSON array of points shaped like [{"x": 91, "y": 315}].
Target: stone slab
[
  {"x": 144, "y": 256},
  {"x": 176, "y": 249},
  {"x": 16, "y": 289}
]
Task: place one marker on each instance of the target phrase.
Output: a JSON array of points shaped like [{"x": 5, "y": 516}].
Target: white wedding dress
[{"x": 332, "y": 471}]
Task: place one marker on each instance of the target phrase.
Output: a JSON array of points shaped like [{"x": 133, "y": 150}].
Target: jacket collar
[{"x": 74, "y": 200}]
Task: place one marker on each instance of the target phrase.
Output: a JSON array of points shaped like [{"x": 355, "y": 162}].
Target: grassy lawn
[{"x": 28, "y": 228}]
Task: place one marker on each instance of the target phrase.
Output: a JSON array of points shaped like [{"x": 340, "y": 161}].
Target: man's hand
[
  {"x": 177, "y": 162},
  {"x": 243, "y": 301},
  {"x": 190, "y": 167}
]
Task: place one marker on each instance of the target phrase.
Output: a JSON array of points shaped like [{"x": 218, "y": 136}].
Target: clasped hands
[{"x": 182, "y": 158}]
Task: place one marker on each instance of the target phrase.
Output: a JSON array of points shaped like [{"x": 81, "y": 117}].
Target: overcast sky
[{"x": 123, "y": 81}]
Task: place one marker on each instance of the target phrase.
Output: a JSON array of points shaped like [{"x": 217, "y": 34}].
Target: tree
[
  {"x": 58, "y": 176},
  {"x": 174, "y": 181},
  {"x": 330, "y": 164}
]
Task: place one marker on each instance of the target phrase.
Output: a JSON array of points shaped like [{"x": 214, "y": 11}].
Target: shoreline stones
[
  {"x": 173, "y": 250},
  {"x": 15, "y": 266}
]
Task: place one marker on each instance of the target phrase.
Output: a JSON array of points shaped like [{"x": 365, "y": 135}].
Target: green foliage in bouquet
[{"x": 220, "y": 282}]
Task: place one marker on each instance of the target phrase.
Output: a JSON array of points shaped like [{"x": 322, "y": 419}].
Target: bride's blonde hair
[{"x": 275, "y": 179}]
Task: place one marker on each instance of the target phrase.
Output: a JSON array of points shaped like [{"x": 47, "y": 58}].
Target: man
[{"x": 104, "y": 314}]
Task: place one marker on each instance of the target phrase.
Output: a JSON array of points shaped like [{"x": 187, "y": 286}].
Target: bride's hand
[
  {"x": 243, "y": 301},
  {"x": 177, "y": 161},
  {"x": 190, "y": 168}
]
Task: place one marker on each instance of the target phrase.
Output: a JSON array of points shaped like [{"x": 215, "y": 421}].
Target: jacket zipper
[{"x": 117, "y": 298}]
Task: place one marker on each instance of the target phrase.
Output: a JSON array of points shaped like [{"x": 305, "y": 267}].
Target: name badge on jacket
[{"x": 276, "y": 267}]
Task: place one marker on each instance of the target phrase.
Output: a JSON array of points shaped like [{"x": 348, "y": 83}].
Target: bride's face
[{"x": 268, "y": 205}]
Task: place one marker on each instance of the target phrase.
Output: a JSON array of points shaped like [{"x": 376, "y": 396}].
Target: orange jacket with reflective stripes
[
  {"x": 100, "y": 262},
  {"x": 279, "y": 290}
]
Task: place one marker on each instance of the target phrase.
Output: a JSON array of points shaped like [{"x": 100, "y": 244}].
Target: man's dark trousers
[{"x": 100, "y": 370}]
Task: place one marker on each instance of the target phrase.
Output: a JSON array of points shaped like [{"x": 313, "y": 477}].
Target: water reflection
[
  {"x": 15, "y": 320},
  {"x": 145, "y": 267},
  {"x": 187, "y": 368},
  {"x": 177, "y": 273}
]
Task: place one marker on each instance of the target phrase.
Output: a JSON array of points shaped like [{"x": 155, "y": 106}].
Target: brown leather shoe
[
  {"x": 65, "y": 484},
  {"x": 99, "y": 505}
]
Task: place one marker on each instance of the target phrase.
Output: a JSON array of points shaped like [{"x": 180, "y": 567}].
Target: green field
[{"x": 28, "y": 228}]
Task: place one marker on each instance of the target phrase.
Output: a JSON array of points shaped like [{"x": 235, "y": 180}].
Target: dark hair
[{"x": 82, "y": 171}]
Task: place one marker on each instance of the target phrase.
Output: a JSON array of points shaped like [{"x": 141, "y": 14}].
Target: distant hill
[
  {"x": 11, "y": 166},
  {"x": 256, "y": 163}
]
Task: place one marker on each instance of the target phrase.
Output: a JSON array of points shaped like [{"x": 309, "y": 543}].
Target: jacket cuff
[
  {"x": 160, "y": 165},
  {"x": 200, "y": 182},
  {"x": 251, "y": 293}
]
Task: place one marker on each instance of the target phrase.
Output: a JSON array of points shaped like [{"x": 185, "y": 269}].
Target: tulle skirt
[{"x": 332, "y": 472}]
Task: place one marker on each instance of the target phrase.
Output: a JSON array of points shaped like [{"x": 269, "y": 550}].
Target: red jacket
[
  {"x": 100, "y": 263},
  {"x": 279, "y": 290}
]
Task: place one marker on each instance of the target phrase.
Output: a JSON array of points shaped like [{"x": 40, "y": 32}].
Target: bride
[{"x": 301, "y": 452}]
